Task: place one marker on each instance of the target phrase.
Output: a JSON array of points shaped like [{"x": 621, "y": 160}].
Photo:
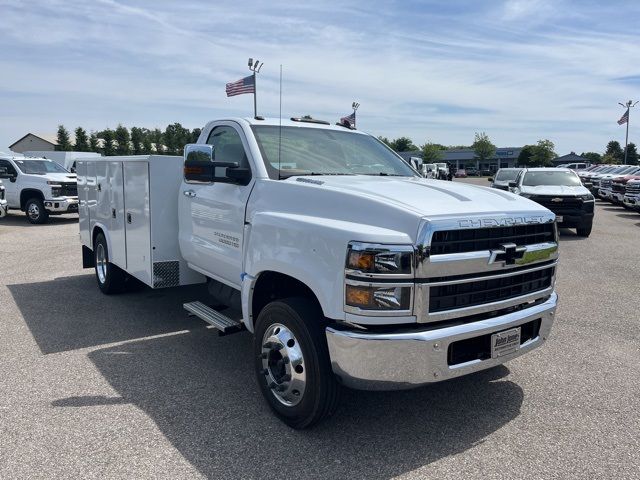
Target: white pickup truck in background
[
  {"x": 348, "y": 268},
  {"x": 39, "y": 187}
]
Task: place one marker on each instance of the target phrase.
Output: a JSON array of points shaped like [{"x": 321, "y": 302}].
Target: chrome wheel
[
  {"x": 33, "y": 211},
  {"x": 283, "y": 365},
  {"x": 101, "y": 263}
]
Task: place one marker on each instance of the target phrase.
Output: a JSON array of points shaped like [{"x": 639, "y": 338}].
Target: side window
[
  {"x": 5, "y": 164},
  {"x": 228, "y": 146}
]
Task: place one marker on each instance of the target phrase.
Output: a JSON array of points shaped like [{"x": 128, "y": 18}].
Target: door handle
[
  {"x": 189, "y": 193},
  {"x": 128, "y": 218}
]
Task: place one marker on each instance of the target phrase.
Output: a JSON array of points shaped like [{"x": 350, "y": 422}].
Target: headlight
[
  {"x": 378, "y": 297},
  {"x": 586, "y": 197},
  {"x": 373, "y": 260},
  {"x": 379, "y": 279},
  {"x": 526, "y": 195},
  {"x": 53, "y": 183}
]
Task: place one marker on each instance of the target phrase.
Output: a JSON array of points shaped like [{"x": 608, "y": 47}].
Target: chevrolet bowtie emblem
[
  {"x": 507, "y": 253},
  {"x": 557, "y": 199}
]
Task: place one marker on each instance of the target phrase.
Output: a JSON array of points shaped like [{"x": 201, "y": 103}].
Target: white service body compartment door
[
  {"x": 137, "y": 220},
  {"x": 116, "y": 214},
  {"x": 83, "y": 207}
]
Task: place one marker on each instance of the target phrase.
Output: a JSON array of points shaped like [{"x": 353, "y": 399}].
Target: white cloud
[{"x": 516, "y": 71}]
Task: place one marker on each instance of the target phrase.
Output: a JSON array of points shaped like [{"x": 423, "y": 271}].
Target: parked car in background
[
  {"x": 3, "y": 201},
  {"x": 575, "y": 166},
  {"x": 503, "y": 177},
  {"x": 460, "y": 173},
  {"x": 443, "y": 171},
  {"x": 616, "y": 190},
  {"x": 561, "y": 191},
  {"x": 429, "y": 170},
  {"x": 631, "y": 197},
  {"x": 472, "y": 172},
  {"x": 39, "y": 187},
  {"x": 605, "y": 181}
]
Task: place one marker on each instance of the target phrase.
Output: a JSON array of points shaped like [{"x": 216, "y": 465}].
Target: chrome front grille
[
  {"x": 605, "y": 183},
  {"x": 486, "y": 264},
  {"x": 478, "y": 292},
  {"x": 633, "y": 188}
]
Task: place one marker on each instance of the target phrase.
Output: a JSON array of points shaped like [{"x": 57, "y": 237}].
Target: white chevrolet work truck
[
  {"x": 347, "y": 266},
  {"x": 39, "y": 187}
]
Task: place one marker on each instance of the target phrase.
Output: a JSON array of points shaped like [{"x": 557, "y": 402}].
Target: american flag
[
  {"x": 244, "y": 85},
  {"x": 349, "y": 120},
  {"x": 624, "y": 118}
]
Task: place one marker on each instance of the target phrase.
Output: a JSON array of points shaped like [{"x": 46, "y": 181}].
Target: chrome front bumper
[
  {"x": 392, "y": 361},
  {"x": 62, "y": 205}
]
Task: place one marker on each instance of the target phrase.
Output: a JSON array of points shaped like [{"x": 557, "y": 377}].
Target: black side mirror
[
  {"x": 513, "y": 184},
  {"x": 230, "y": 172},
  {"x": 490, "y": 179}
]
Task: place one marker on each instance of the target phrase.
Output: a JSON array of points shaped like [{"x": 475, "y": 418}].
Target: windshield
[
  {"x": 535, "y": 179},
  {"x": 505, "y": 175},
  {"x": 39, "y": 167},
  {"x": 317, "y": 151}
]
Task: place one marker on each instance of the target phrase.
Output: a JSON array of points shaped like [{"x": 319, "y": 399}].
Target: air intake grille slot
[
  {"x": 473, "y": 240},
  {"x": 479, "y": 292}
]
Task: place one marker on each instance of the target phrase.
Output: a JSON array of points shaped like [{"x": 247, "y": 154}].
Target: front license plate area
[{"x": 504, "y": 343}]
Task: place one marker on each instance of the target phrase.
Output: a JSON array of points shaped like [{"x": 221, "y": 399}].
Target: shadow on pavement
[
  {"x": 200, "y": 391},
  {"x": 70, "y": 312},
  {"x": 15, "y": 218}
]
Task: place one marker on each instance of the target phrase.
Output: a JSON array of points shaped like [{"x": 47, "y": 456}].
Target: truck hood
[
  {"x": 53, "y": 177},
  {"x": 424, "y": 197},
  {"x": 560, "y": 190}
]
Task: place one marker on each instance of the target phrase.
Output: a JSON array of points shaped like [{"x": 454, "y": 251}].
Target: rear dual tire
[{"x": 111, "y": 279}]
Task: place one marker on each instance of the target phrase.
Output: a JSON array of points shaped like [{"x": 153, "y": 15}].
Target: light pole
[
  {"x": 255, "y": 68},
  {"x": 628, "y": 106}
]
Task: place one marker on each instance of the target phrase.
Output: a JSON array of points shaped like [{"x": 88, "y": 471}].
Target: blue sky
[{"x": 434, "y": 71}]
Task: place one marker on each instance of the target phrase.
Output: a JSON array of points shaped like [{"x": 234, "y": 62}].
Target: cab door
[
  {"x": 11, "y": 187},
  {"x": 212, "y": 214}
]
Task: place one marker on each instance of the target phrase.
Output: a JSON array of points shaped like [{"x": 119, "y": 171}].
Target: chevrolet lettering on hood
[{"x": 500, "y": 222}]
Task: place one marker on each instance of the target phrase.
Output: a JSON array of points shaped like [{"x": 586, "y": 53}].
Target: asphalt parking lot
[{"x": 130, "y": 387}]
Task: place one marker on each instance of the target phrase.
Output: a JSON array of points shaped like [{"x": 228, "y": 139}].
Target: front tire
[
  {"x": 585, "y": 230},
  {"x": 111, "y": 279},
  {"x": 292, "y": 362},
  {"x": 35, "y": 211}
]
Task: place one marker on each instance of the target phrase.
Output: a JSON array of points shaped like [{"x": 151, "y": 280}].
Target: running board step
[{"x": 220, "y": 321}]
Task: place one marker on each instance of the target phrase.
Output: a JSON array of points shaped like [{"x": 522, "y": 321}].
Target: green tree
[
  {"x": 483, "y": 148},
  {"x": 64, "y": 143},
  {"x": 108, "y": 148},
  {"x": 94, "y": 143},
  {"x": 122, "y": 138},
  {"x": 632, "y": 154},
  {"x": 385, "y": 140},
  {"x": 147, "y": 148},
  {"x": 431, "y": 152},
  {"x": 403, "y": 144},
  {"x": 82, "y": 141},
  {"x": 156, "y": 138},
  {"x": 136, "y": 140},
  {"x": 614, "y": 152},
  {"x": 175, "y": 138},
  {"x": 195, "y": 134},
  {"x": 592, "y": 157},
  {"x": 524, "y": 158},
  {"x": 543, "y": 153}
]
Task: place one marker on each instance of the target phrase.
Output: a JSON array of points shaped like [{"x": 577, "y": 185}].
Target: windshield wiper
[
  {"x": 310, "y": 174},
  {"x": 385, "y": 174}
]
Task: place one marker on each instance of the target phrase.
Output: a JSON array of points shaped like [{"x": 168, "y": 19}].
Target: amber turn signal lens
[
  {"x": 358, "y": 296},
  {"x": 363, "y": 261}
]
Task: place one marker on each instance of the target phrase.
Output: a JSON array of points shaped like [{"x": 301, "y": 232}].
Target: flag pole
[
  {"x": 628, "y": 106},
  {"x": 255, "y": 68}
]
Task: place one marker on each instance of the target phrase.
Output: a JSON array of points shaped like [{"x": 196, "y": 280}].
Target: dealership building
[{"x": 504, "y": 157}]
